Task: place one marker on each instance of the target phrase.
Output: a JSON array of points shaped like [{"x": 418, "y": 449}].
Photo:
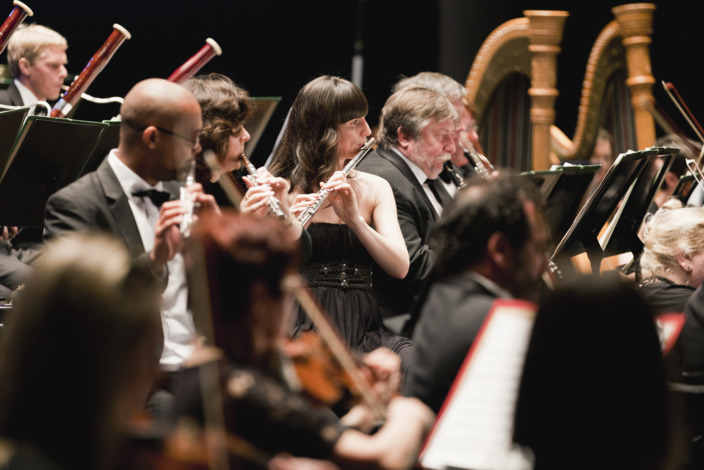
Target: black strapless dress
[{"x": 339, "y": 274}]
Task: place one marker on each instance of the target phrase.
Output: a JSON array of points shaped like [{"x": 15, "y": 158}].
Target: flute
[
  {"x": 17, "y": 16},
  {"x": 274, "y": 204},
  {"x": 95, "y": 65},
  {"x": 310, "y": 211},
  {"x": 184, "y": 195}
]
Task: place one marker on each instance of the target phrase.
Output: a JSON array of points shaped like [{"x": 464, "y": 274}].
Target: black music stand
[
  {"x": 583, "y": 234},
  {"x": 108, "y": 140},
  {"x": 563, "y": 189},
  {"x": 622, "y": 235},
  {"x": 258, "y": 120},
  {"x": 10, "y": 124},
  {"x": 49, "y": 154},
  {"x": 685, "y": 188}
]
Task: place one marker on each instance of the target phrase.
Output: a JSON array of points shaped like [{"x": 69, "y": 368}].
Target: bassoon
[
  {"x": 17, "y": 16},
  {"x": 95, "y": 65},
  {"x": 195, "y": 63}
]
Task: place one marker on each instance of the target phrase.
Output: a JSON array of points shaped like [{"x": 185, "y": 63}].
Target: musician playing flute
[
  {"x": 132, "y": 195},
  {"x": 355, "y": 231},
  {"x": 226, "y": 106}
]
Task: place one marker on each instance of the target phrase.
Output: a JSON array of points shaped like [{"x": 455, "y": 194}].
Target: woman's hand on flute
[{"x": 343, "y": 199}]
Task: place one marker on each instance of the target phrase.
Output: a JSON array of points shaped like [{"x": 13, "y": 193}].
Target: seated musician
[
  {"x": 672, "y": 262},
  {"x": 225, "y": 108},
  {"x": 132, "y": 195},
  {"x": 491, "y": 243},
  {"x": 248, "y": 261},
  {"x": 37, "y": 59},
  {"x": 79, "y": 356}
]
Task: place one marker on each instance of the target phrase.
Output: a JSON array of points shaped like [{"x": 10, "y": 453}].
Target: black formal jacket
[
  {"x": 416, "y": 217},
  {"x": 11, "y": 96},
  {"x": 96, "y": 202}
]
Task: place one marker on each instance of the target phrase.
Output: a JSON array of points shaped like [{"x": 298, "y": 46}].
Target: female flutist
[{"x": 355, "y": 230}]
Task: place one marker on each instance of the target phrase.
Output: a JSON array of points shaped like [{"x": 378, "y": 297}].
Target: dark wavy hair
[
  {"x": 225, "y": 108},
  {"x": 307, "y": 154},
  {"x": 482, "y": 208}
]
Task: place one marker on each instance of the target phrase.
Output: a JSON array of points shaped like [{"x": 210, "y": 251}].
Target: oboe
[
  {"x": 274, "y": 204},
  {"x": 185, "y": 197},
  {"x": 17, "y": 16},
  {"x": 310, "y": 211}
]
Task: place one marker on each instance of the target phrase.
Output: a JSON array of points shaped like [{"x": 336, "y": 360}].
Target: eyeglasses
[{"x": 193, "y": 141}]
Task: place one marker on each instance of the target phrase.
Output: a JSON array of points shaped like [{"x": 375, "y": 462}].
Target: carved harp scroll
[{"x": 525, "y": 47}]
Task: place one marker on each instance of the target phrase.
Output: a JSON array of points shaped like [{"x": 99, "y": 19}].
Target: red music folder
[{"x": 474, "y": 428}]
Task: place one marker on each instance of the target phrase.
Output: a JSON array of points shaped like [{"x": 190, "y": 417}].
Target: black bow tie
[{"x": 157, "y": 197}]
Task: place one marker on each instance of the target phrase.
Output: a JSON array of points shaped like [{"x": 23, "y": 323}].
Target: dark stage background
[{"x": 272, "y": 48}]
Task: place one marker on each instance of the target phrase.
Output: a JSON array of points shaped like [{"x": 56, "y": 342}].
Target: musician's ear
[
  {"x": 150, "y": 137},
  {"x": 404, "y": 140},
  {"x": 500, "y": 251},
  {"x": 685, "y": 261},
  {"x": 24, "y": 66}
]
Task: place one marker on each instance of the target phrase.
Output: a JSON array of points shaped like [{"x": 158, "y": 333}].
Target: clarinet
[
  {"x": 479, "y": 162},
  {"x": 195, "y": 63},
  {"x": 17, "y": 16},
  {"x": 274, "y": 204},
  {"x": 95, "y": 65},
  {"x": 310, "y": 211},
  {"x": 456, "y": 178}
]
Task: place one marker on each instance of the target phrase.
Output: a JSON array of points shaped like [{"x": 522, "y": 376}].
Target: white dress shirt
[
  {"x": 420, "y": 174},
  {"x": 176, "y": 317}
]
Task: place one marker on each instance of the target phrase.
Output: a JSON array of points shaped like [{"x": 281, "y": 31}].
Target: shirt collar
[
  {"x": 28, "y": 98},
  {"x": 129, "y": 180}
]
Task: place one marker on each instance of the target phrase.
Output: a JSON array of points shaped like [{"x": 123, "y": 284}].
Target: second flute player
[{"x": 355, "y": 231}]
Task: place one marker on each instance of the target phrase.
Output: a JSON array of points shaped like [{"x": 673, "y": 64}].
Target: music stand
[
  {"x": 48, "y": 155},
  {"x": 685, "y": 188},
  {"x": 10, "y": 124},
  {"x": 563, "y": 189},
  {"x": 622, "y": 236},
  {"x": 583, "y": 234},
  {"x": 258, "y": 120},
  {"x": 108, "y": 140}
]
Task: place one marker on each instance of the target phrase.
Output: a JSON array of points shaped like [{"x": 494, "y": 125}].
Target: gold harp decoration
[{"x": 621, "y": 46}]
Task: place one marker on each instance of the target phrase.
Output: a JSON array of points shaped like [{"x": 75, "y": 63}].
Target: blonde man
[{"x": 37, "y": 59}]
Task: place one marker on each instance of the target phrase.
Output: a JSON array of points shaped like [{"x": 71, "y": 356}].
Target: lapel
[
  {"x": 120, "y": 208},
  {"x": 14, "y": 94},
  {"x": 403, "y": 167}
]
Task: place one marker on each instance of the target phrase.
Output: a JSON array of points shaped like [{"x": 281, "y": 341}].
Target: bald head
[
  {"x": 156, "y": 101},
  {"x": 161, "y": 121}
]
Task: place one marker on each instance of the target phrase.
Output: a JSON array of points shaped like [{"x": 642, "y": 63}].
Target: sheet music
[{"x": 475, "y": 426}]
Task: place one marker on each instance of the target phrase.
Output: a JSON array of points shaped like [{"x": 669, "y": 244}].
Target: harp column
[
  {"x": 545, "y": 35},
  {"x": 635, "y": 22}
]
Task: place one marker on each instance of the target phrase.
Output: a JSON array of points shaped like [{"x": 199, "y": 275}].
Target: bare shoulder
[{"x": 372, "y": 183}]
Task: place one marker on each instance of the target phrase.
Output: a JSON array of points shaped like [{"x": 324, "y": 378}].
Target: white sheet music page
[{"x": 475, "y": 425}]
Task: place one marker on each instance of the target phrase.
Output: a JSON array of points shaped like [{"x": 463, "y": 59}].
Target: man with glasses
[{"x": 133, "y": 195}]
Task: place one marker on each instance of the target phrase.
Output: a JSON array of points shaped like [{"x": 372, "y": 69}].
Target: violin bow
[
  {"x": 686, "y": 113},
  {"x": 328, "y": 333},
  {"x": 227, "y": 184}
]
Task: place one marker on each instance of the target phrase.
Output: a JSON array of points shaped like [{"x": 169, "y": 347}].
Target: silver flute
[
  {"x": 310, "y": 211},
  {"x": 185, "y": 197},
  {"x": 273, "y": 203}
]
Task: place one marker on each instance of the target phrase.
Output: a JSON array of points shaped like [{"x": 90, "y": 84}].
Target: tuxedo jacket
[
  {"x": 451, "y": 316},
  {"x": 96, "y": 202},
  {"x": 11, "y": 96},
  {"x": 416, "y": 217}
]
